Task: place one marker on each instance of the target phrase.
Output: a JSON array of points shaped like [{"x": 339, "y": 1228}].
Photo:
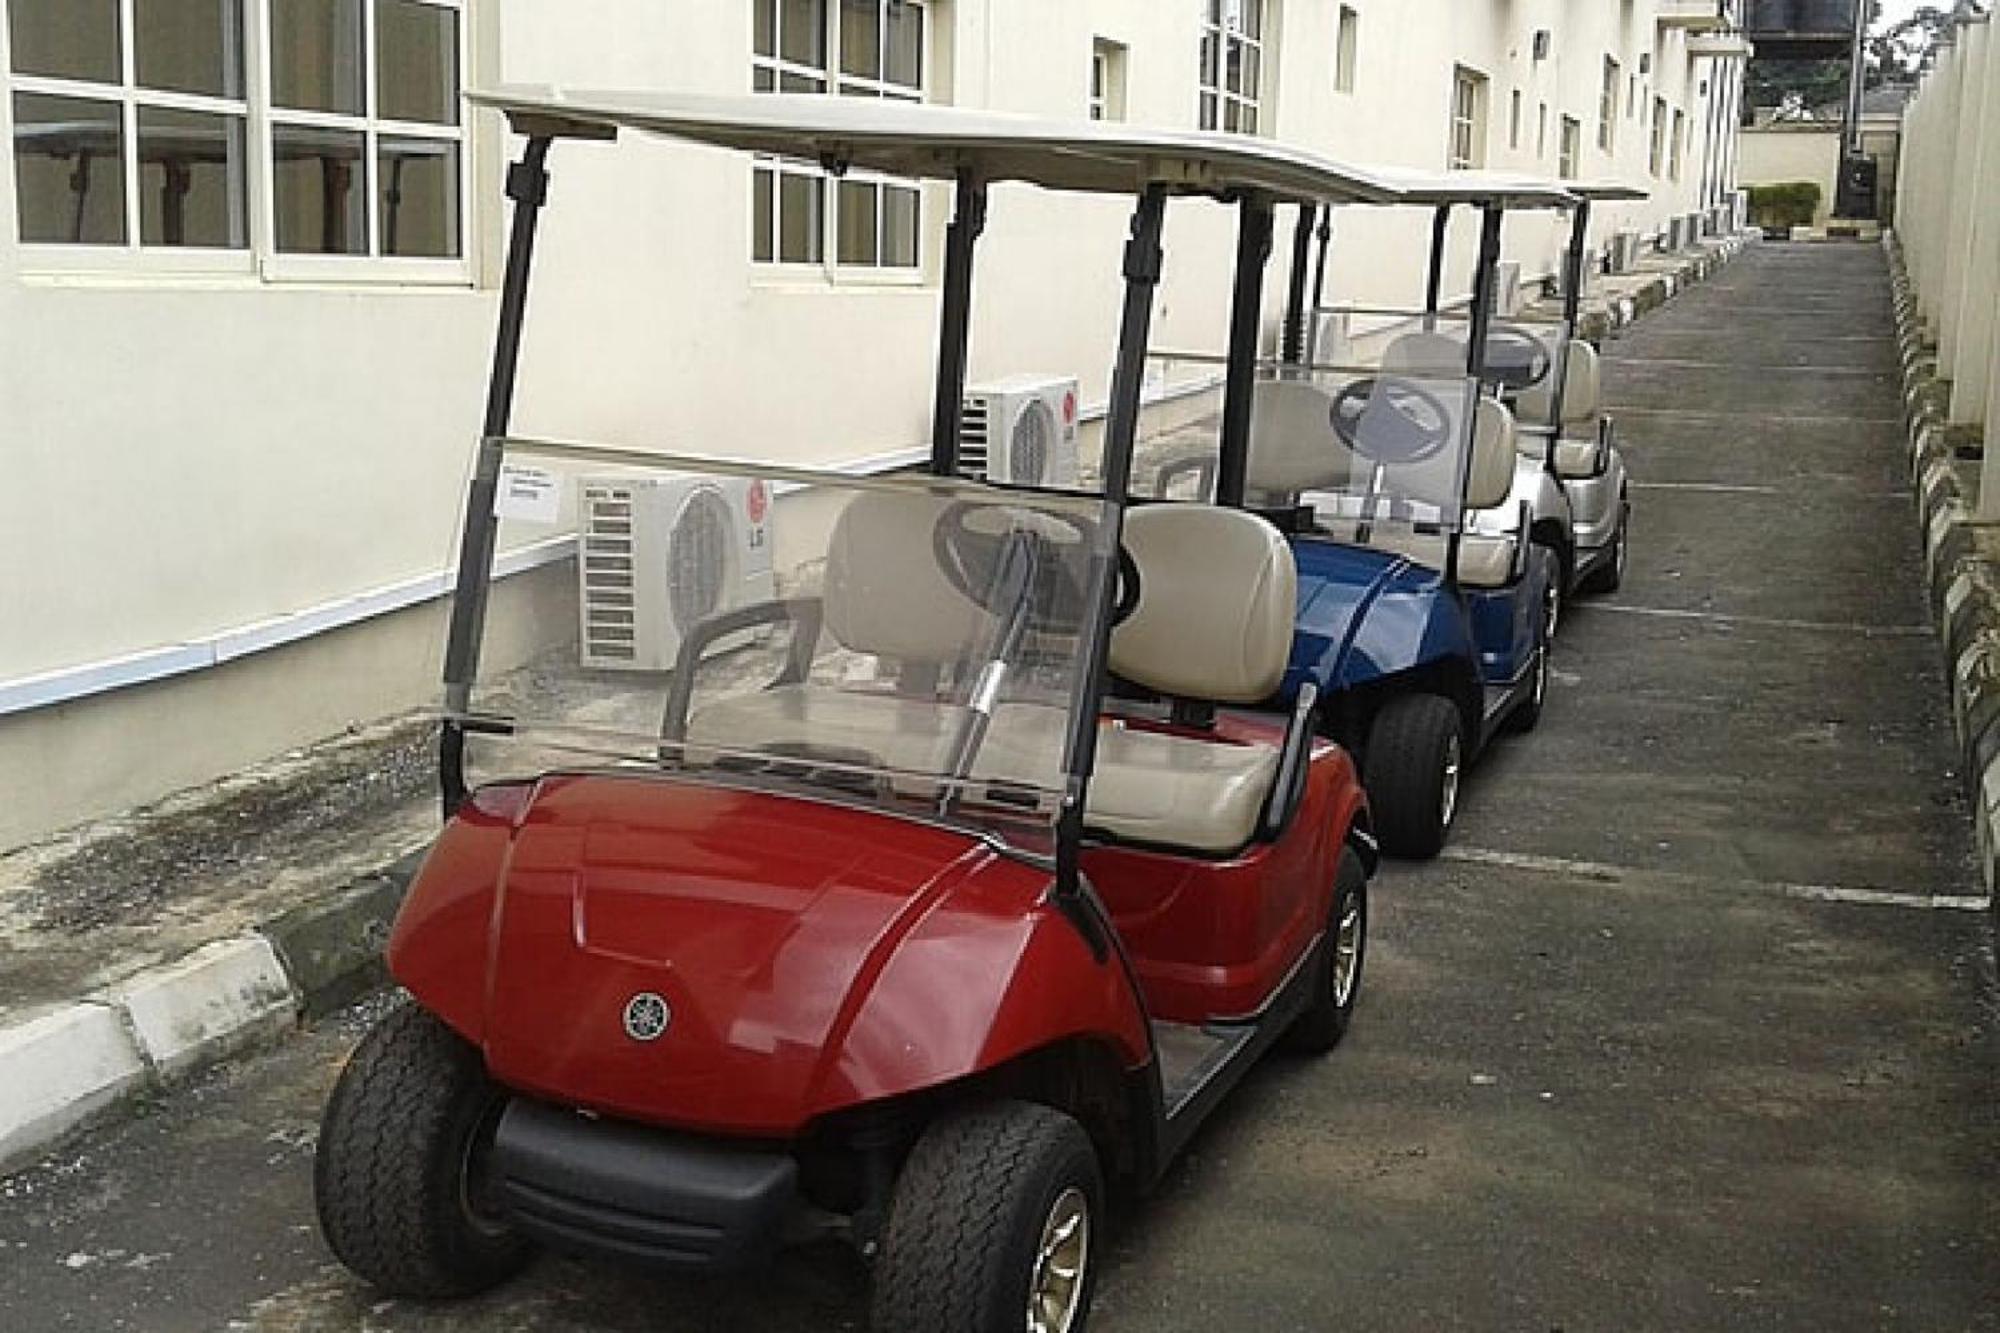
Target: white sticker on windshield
[{"x": 530, "y": 494}]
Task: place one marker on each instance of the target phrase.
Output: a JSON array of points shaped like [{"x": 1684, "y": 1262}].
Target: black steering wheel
[
  {"x": 1390, "y": 420},
  {"x": 1515, "y": 358},
  {"x": 974, "y": 544}
]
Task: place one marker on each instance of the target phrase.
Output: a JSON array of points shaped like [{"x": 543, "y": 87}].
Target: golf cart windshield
[
  {"x": 909, "y": 644},
  {"x": 1382, "y": 434}
]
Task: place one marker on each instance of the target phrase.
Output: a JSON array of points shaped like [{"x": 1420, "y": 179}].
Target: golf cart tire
[
  {"x": 1404, "y": 772},
  {"x": 392, "y": 1150},
  {"x": 1324, "y": 1022},
  {"x": 1607, "y": 576},
  {"x": 965, "y": 1222}
]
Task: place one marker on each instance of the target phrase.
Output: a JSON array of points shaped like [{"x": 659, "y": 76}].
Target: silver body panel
[{"x": 1594, "y": 505}]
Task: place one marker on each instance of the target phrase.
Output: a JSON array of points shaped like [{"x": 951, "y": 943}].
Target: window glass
[
  {"x": 762, "y": 223},
  {"x": 192, "y": 184},
  {"x": 320, "y": 196},
  {"x": 417, "y": 181},
  {"x": 899, "y": 226},
  {"x": 802, "y": 32},
  {"x": 858, "y": 201},
  {"x": 765, "y": 20},
  {"x": 905, "y": 45},
  {"x": 69, "y": 174},
  {"x": 189, "y": 46},
  {"x": 316, "y": 62},
  {"x": 416, "y": 62},
  {"x": 65, "y": 39},
  {"x": 861, "y": 38},
  {"x": 799, "y": 218}
]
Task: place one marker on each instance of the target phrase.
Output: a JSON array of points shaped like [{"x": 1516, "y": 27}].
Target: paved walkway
[{"x": 1691, "y": 1028}]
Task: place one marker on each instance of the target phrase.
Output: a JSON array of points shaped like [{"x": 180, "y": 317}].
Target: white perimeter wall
[{"x": 186, "y": 458}]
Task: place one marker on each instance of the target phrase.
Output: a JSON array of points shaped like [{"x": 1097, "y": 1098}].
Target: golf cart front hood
[
  {"x": 1362, "y": 614},
  {"x": 725, "y": 960}
]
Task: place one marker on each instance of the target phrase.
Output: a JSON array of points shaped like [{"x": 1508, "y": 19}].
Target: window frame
[
  {"x": 1215, "y": 26},
  {"x": 829, "y": 268},
  {"x": 1677, "y": 148},
  {"x": 1607, "y": 106},
  {"x": 1106, "y": 97},
  {"x": 1347, "y": 49},
  {"x": 1656, "y": 151},
  {"x": 259, "y": 260},
  {"x": 1569, "y": 147},
  {"x": 1466, "y": 126}
]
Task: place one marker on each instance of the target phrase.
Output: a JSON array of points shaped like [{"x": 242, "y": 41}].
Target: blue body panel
[{"x": 1364, "y": 615}]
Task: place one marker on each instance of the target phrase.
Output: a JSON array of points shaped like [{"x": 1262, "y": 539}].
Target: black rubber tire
[
  {"x": 1320, "y": 1028},
  {"x": 1607, "y": 576},
  {"x": 388, "y": 1175},
  {"x": 958, "y": 1252},
  {"x": 1404, "y": 772},
  {"x": 1559, "y": 581}
]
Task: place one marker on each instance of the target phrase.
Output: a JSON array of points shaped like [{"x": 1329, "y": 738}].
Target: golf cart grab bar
[
  {"x": 1288, "y": 790},
  {"x": 804, "y": 614}
]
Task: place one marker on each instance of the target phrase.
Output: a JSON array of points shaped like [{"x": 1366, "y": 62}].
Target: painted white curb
[
  {"x": 217, "y": 998},
  {"x": 58, "y": 1070}
]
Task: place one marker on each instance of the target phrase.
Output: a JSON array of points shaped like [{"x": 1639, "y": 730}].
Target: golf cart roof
[
  {"x": 1481, "y": 188},
  {"x": 934, "y": 142}
]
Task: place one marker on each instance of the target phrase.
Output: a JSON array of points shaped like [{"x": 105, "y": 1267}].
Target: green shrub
[{"x": 1779, "y": 208}]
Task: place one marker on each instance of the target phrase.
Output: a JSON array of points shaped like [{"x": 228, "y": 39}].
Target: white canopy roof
[
  {"x": 1481, "y": 188},
  {"x": 936, "y": 142}
]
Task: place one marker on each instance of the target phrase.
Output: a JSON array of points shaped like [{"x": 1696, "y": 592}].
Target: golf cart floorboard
[{"x": 1190, "y": 1056}]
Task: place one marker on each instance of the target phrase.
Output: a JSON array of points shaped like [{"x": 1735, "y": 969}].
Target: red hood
[{"x": 766, "y": 923}]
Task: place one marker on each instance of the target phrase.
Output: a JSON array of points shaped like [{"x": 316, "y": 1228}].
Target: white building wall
[{"x": 196, "y": 466}]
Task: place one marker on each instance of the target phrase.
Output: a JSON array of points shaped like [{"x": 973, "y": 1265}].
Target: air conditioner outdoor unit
[
  {"x": 656, "y": 555},
  {"x": 1021, "y": 431}
]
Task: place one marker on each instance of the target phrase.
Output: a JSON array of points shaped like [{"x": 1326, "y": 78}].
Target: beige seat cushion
[
  {"x": 1576, "y": 459},
  {"x": 1179, "y": 791},
  {"x": 1582, "y": 393},
  {"x": 1483, "y": 561},
  {"x": 908, "y": 734}
]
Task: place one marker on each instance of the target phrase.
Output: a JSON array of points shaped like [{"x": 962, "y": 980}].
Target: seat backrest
[
  {"x": 1218, "y": 592},
  {"x": 881, "y": 595},
  {"x": 1292, "y": 444},
  {"x": 1581, "y": 394},
  {"x": 1426, "y": 354},
  {"x": 1490, "y": 475}
]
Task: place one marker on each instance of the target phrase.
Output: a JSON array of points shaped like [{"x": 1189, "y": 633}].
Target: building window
[
  {"x": 1232, "y": 59},
  {"x": 1107, "y": 80},
  {"x": 1568, "y": 145},
  {"x": 132, "y": 126},
  {"x": 1657, "y": 153},
  {"x": 1541, "y": 130},
  {"x": 845, "y": 48},
  {"x": 1468, "y": 120},
  {"x": 1631, "y": 95},
  {"x": 1679, "y": 148},
  {"x": 1607, "y": 107},
  {"x": 1514, "y": 120},
  {"x": 1348, "y": 52}
]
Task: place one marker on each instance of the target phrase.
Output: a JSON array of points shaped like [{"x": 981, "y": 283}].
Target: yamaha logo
[{"x": 646, "y": 1016}]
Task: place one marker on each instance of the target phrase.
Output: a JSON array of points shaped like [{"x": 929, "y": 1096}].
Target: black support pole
[
  {"x": 1255, "y": 217},
  {"x": 1434, "y": 287},
  {"x": 1319, "y": 281},
  {"x": 1579, "y": 238},
  {"x": 1483, "y": 291},
  {"x": 1297, "y": 313},
  {"x": 528, "y": 187},
  {"x": 968, "y": 220},
  {"x": 1143, "y": 258}
]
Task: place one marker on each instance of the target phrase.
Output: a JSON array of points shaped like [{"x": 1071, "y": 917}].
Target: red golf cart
[{"x": 927, "y": 897}]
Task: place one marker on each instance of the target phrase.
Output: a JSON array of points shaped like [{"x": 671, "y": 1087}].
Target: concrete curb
[
  {"x": 68, "y": 1067},
  {"x": 63, "y": 1069},
  {"x": 1962, "y": 580}
]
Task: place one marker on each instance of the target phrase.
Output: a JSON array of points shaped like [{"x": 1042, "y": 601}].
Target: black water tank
[{"x": 1856, "y": 195}]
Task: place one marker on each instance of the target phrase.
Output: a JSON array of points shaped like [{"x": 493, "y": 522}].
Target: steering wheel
[
  {"x": 1515, "y": 358},
  {"x": 973, "y": 542},
  {"x": 1391, "y": 420}
]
